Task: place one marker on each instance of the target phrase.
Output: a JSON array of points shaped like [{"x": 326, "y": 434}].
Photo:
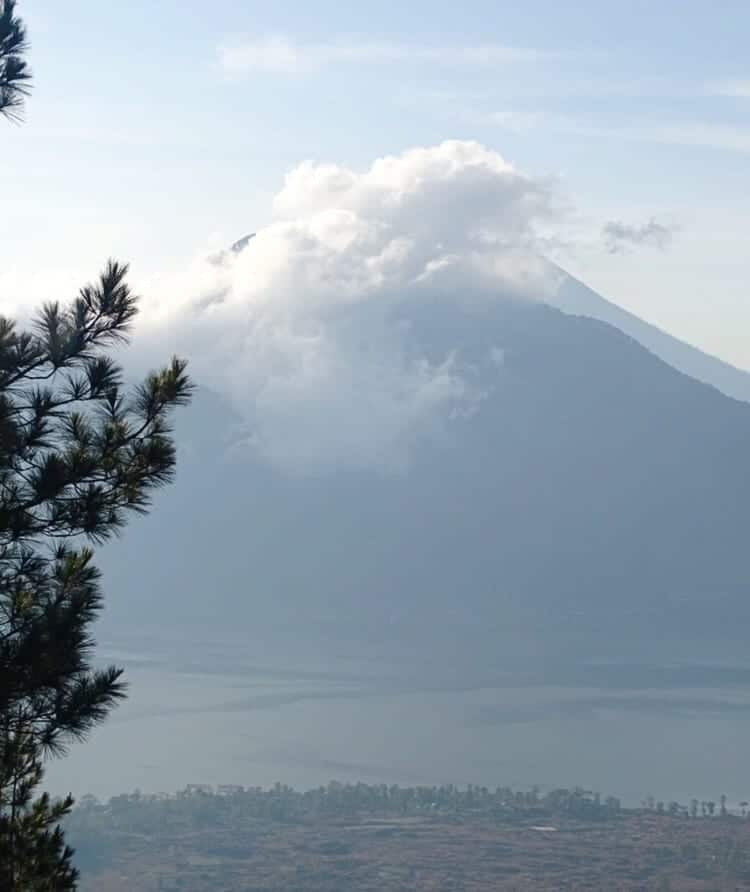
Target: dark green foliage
[
  {"x": 33, "y": 853},
  {"x": 15, "y": 76},
  {"x": 77, "y": 454}
]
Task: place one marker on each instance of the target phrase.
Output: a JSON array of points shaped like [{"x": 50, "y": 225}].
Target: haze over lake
[{"x": 237, "y": 716}]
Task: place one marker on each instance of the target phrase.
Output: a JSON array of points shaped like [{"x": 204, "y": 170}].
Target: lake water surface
[{"x": 671, "y": 731}]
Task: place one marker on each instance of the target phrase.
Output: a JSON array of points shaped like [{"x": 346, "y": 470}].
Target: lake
[{"x": 204, "y": 712}]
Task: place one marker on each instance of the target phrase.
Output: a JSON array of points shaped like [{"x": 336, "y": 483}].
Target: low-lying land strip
[{"x": 345, "y": 837}]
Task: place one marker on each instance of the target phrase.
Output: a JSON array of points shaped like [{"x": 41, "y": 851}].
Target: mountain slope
[
  {"x": 576, "y": 298},
  {"x": 594, "y": 507}
]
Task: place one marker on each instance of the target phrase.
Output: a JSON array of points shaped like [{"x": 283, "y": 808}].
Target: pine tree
[
  {"x": 14, "y": 73},
  {"x": 78, "y": 454}
]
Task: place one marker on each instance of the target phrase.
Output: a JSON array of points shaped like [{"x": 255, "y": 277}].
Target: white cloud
[
  {"x": 313, "y": 329},
  {"x": 280, "y": 55}
]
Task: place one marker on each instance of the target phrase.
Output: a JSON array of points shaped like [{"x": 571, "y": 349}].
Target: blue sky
[{"x": 158, "y": 130}]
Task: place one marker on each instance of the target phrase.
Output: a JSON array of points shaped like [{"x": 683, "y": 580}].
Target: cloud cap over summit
[{"x": 311, "y": 329}]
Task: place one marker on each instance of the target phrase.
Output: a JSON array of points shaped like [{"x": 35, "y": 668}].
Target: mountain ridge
[{"x": 574, "y": 296}]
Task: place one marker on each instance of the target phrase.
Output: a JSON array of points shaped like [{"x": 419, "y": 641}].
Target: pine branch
[
  {"x": 15, "y": 77},
  {"x": 78, "y": 456}
]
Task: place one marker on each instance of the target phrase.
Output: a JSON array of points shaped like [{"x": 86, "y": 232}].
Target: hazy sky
[{"x": 161, "y": 130}]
